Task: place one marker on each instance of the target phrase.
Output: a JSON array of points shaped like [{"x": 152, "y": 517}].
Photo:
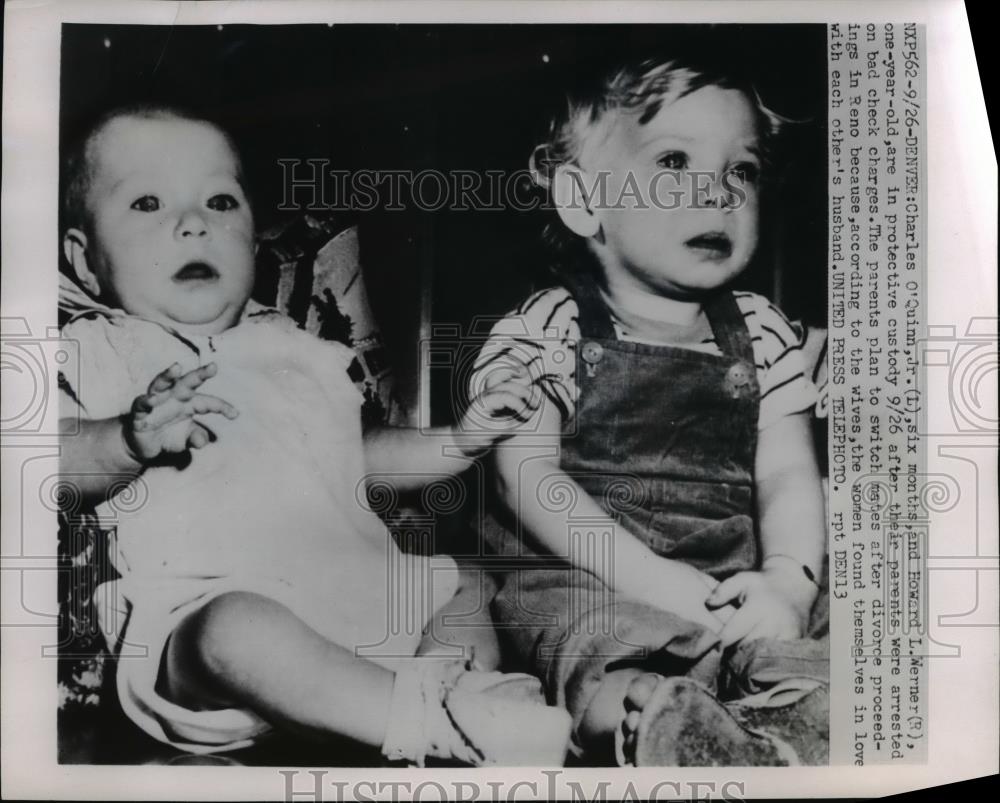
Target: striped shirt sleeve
[
  {"x": 786, "y": 386},
  {"x": 543, "y": 332},
  {"x": 540, "y": 335}
]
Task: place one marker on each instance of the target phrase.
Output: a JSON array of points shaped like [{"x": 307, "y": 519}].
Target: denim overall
[
  {"x": 665, "y": 437},
  {"x": 664, "y": 440}
]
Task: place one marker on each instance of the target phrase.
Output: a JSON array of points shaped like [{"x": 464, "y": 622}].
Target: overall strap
[
  {"x": 729, "y": 326},
  {"x": 594, "y": 318}
]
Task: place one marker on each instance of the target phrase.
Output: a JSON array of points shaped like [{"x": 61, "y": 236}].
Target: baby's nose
[
  {"x": 191, "y": 224},
  {"x": 717, "y": 196}
]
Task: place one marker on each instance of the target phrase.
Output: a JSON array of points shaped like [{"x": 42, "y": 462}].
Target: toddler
[
  {"x": 674, "y": 429},
  {"x": 255, "y": 586}
]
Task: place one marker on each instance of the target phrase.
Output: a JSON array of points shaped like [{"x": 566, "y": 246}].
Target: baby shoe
[
  {"x": 796, "y": 711},
  {"x": 443, "y": 709}
]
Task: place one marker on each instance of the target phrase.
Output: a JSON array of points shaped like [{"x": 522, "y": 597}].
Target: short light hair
[
  {"x": 642, "y": 89},
  {"x": 639, "y": 87}
]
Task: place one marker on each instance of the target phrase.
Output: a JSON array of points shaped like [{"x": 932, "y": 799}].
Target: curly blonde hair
[{"x": 639, "y": 87}]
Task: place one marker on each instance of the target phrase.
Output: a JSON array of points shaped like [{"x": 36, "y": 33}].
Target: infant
[{"x": 256, "y": 585}]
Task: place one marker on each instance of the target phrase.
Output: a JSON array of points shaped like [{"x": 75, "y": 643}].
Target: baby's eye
[
  {"x": 147, "y": 203},
  {"x": 223, "y": 202},
  {"x": 747, "y": 172},
  {"x": 674, "y": 160}
]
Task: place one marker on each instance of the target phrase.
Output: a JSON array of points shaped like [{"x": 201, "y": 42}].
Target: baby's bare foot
[
  {"x": 599, "y": 728},
  {"x": 609, "y": 725},
  {"x": 647, "y": 719},
  {"x": 638, "y": 694},
  {"x": 677, "y": 722}
]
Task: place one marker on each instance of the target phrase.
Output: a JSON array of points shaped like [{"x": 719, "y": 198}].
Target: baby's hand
[
  {"x": 509, "y": 398},
  {"x": 773, "y": 603},
  {"x": 162, "y": 420}
]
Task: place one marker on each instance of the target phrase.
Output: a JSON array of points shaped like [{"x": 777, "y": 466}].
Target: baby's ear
[
  {"x": 575, "y": 195},
  {"x": 75, "y": 251}
]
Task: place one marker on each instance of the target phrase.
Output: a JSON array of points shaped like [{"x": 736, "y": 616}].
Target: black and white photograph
[
  {"x": 651, "y": 640},
  {"x": 433, "y": 394}
]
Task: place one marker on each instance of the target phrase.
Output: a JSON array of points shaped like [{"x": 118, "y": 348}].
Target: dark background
[{"x": 451, "y": 97}]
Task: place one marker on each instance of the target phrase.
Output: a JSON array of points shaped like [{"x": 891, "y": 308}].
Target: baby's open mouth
[
  {"x": 715, "y": 243},
  {"x": 196, "y": 272}
]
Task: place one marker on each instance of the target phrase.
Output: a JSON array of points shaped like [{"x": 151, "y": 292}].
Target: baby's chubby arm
[
  {"x": 528, "y": 472},
  {"x": 775, "y": 602},
  {"x": 161, "y": 421},
  {"x": 407, "y": 456}
]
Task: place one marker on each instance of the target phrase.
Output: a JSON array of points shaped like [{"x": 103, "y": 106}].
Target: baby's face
[
  {"x": 667, "y": 237},
  {"x": 173, "y": 236}
]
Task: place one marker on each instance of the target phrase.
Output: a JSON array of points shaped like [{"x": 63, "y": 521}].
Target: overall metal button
[
  {"x": 592, "y": 354},
  {"x": 739, "y": 374},
  {"x": 738, "y": 377}
]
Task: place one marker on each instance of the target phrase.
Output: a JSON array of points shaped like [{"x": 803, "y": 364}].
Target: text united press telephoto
[{"x": 560, "y": 501}]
